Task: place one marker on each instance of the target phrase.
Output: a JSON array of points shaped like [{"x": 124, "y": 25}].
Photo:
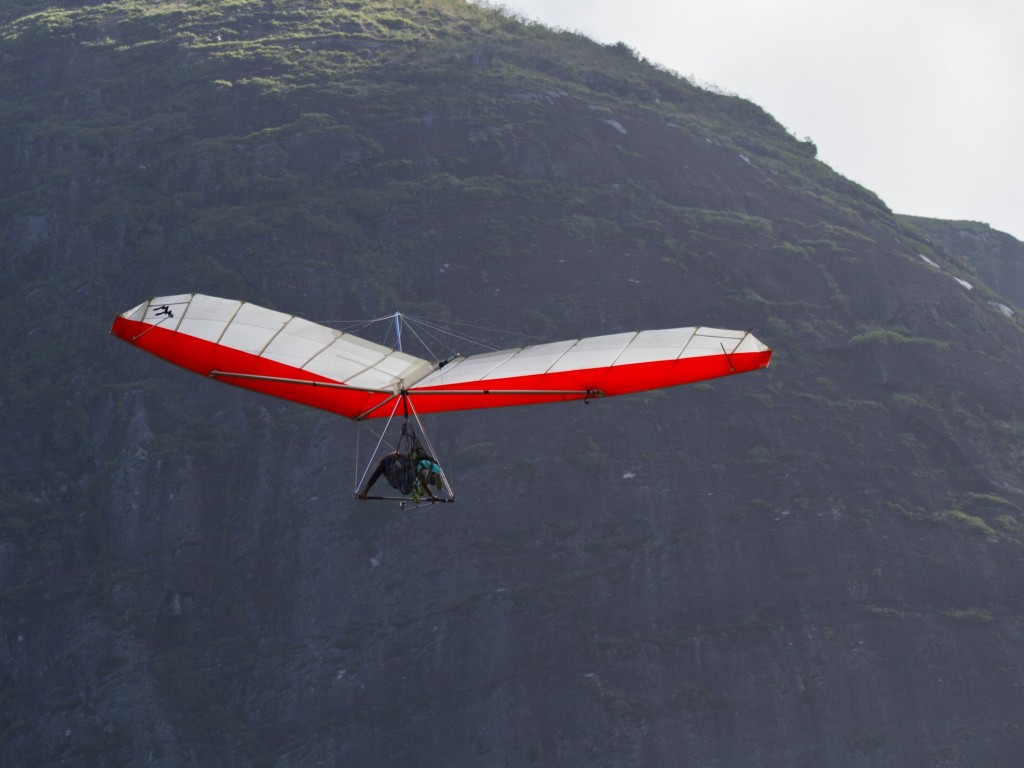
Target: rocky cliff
[{"x": 815, "y": 565}]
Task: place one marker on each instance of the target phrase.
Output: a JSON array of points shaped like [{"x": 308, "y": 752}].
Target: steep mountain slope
[
  {"x": 813, "y": 565},
  {"x": 995, "y": 256}
]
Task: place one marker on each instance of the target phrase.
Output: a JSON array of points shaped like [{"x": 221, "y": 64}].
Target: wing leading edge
[{"x": 294, "y": 359}]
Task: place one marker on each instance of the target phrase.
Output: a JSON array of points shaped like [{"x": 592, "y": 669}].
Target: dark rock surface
[{"x": 814, "y": 565}]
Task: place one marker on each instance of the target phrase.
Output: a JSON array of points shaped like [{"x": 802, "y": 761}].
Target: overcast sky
[{"x": 920, "y": 101}]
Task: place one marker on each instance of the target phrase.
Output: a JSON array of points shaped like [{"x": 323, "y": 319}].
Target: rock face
[
  {"x": 995, "y": 256},
  {"x": 815, "y": 565}
]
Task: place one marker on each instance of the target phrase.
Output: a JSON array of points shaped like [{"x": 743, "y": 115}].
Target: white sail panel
[
  {"x": 593, "y": 352},
  {"x": 651, "y": 346},
  {"x": 712, "y": 341},
  {"x": 539, "y": 357},
  {"x": 298, "y": 343},
  {"x": 471, "y": 368},
  {"x": 209, "y": 308}
]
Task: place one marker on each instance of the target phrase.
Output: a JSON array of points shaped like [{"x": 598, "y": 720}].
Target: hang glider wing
[
  {"x": 598, "y": 366},
  {"x": 291, "y": 358},
  {"x": 270, "y": 352}
]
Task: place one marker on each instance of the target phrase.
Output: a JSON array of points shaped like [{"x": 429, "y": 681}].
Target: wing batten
[
  {"x": 288, "y": 357},
  {"x": 220, "y": 339},
  {"x": 555, "y": 363},
  {"x": 625, "y": 349}
]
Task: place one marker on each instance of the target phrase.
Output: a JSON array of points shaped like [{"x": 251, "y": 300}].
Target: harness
[{"x": 409, "y": 460}]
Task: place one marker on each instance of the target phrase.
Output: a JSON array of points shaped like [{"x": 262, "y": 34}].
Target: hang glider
[{"x": 287, "y": 357}]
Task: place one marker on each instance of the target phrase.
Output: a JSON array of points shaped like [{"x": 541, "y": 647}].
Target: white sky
[{"x": 920, "y": 101}]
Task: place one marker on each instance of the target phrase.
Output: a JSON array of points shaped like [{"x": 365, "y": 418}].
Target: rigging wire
[
  {"x": 475, "y": 327},
  {"x": 413, "y": 434},
  {"x": 359, "y": 321},
  {"x": 434, "y": 330},
  {"x": 376, "y": 451},
  {"x": 454, "y": 335},
  {"x": 419, "y": 338},
  {"x": 431, "y": 451}
]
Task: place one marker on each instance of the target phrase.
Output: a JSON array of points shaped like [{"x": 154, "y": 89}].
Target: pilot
[{"x": 408, "y": 475}]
